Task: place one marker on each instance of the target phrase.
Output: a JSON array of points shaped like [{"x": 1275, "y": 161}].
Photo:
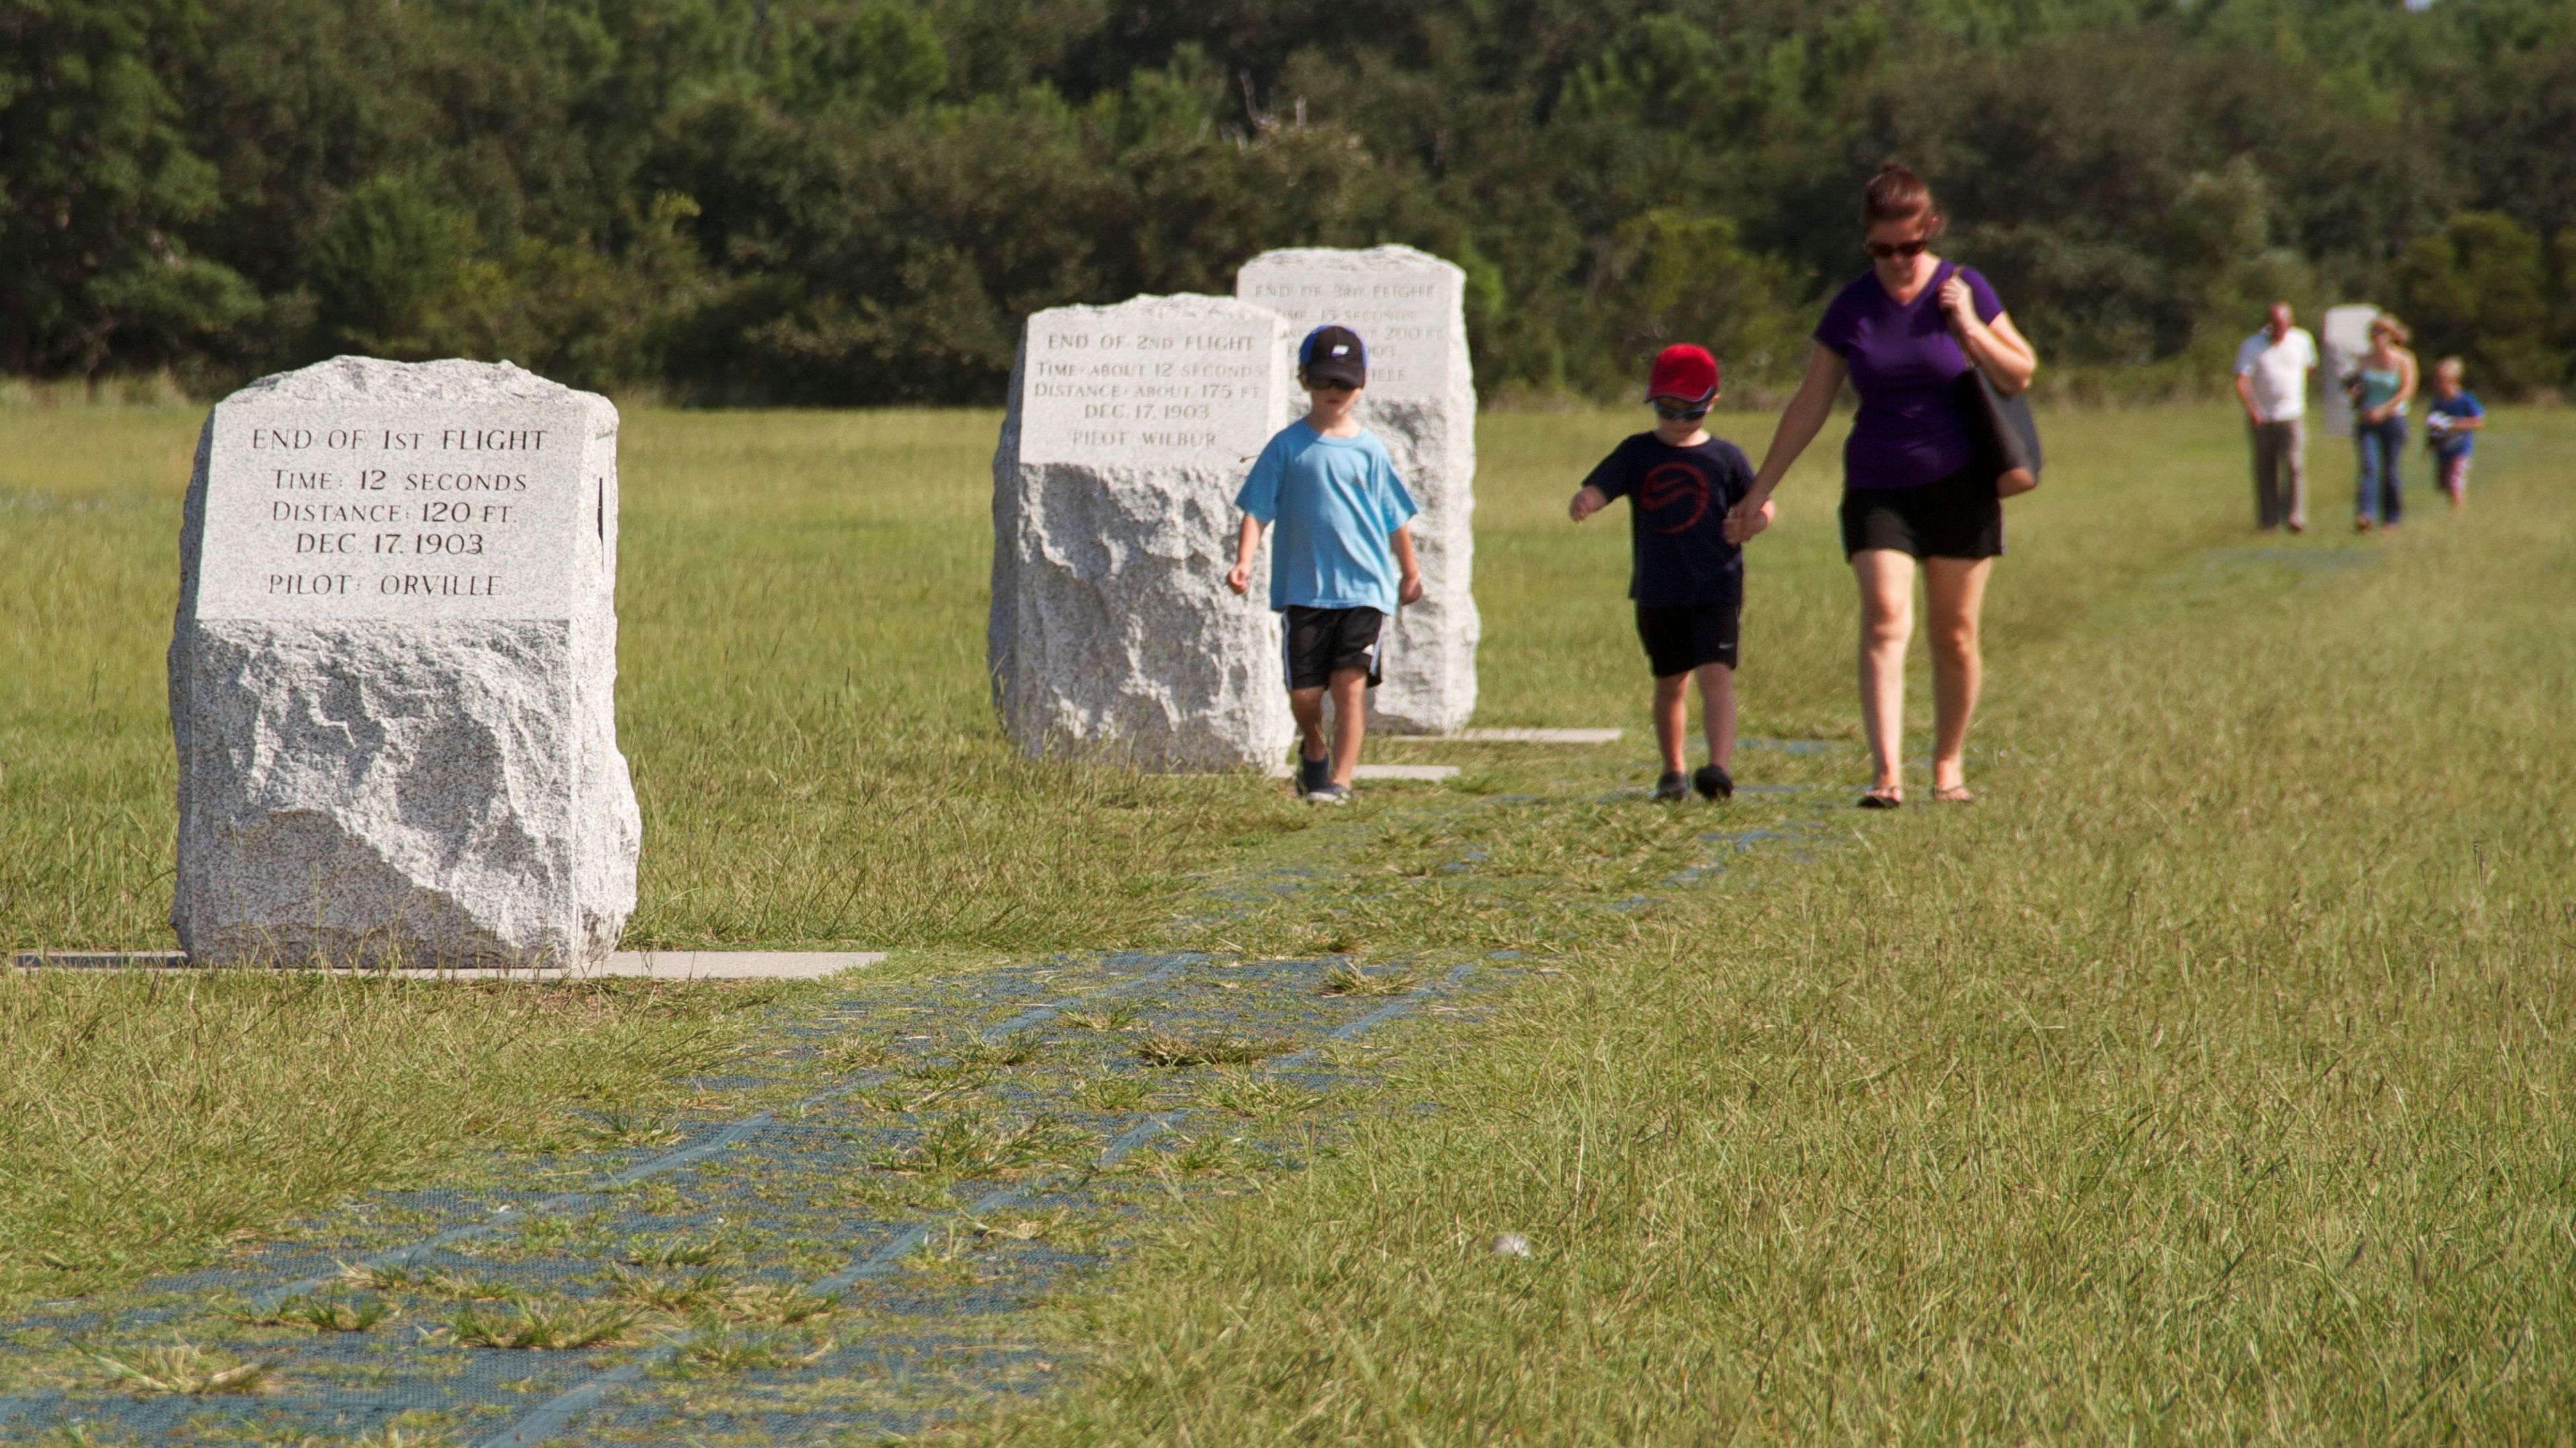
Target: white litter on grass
[
  {"x": 1511, "y": 1244},
  {"x": 631, "y": 964}
]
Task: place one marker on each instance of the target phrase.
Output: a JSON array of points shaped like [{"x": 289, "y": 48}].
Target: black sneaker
[
  {"x": 1672, "y": 786},
  {"x": 1313, "y": 774},
  {"x": 1713, "y": 782}
]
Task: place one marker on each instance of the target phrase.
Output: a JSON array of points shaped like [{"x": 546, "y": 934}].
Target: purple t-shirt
[{"x": 1905, "y": 364}]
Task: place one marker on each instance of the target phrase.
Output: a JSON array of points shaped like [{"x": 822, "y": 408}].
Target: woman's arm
[
  {"x": 2406, "y": 380},
  {"x": 1799, "y": 424},
  {"x": 1996, "y": 348}
]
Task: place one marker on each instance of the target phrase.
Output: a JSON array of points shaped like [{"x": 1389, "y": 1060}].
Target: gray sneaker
[
  {"x": 1313, "y": 774},
  {"x": 1329, "y": 793},
  {"x": 1672, "y": 786}
]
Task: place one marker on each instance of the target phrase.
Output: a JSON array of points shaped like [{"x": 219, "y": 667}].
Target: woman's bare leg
[
  {"x": 1886, "y": 579},
  {"x": 1954, "y": 591}
]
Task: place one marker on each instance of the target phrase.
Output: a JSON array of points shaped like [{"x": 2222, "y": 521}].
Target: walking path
[{"x": 844, "y": 1244}]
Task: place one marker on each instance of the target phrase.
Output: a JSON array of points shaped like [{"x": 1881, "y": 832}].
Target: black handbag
[{"x": 2008, "y": 433}]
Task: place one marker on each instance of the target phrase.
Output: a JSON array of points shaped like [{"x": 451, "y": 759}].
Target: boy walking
[
  {"x": 2451, "y": 430},
  {"x": 1686, "y": 579},
  {"x": 1342, "y": 560}
]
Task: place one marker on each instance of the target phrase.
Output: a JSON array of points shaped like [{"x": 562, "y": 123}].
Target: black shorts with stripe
[{"x": 1320, "y": 642}]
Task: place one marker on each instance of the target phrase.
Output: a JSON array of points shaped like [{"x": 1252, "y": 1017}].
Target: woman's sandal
[
  {"x": 1882, "y": 798},
  {"x": 1953, "y": 794}
]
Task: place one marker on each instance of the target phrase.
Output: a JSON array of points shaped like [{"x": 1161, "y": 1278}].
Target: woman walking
[
  {"x": 1917, "y": 492},
  {"x": 2380, "y": 392}
]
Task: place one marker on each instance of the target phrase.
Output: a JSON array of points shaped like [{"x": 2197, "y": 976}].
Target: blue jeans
[{"x": 2382, "y": 444}]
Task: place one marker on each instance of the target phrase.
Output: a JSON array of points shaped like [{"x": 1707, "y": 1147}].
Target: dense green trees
[{"x": 857, "y": 200}]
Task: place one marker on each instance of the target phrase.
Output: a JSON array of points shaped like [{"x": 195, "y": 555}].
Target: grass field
[{"x": 2207, "y": 1082}]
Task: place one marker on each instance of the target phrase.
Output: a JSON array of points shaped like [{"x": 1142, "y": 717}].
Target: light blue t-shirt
[{"x": 1334, "y": 501}]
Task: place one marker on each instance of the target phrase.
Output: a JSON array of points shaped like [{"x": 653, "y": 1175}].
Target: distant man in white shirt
[{"x": 2272, "y": 380}]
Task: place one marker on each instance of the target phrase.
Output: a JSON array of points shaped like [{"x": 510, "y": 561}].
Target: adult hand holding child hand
[{"x": 1747, "y": 518}]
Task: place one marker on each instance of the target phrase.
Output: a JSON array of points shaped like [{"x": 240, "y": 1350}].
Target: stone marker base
[
  {"x": 1536, "y": 736},
  {"x": 641, "y": 964}
]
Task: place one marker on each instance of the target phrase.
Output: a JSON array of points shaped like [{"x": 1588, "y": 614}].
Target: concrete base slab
[
  {"x": 626, "y": 964},
  {"x": 1432, "y": 772},
  {"x": 1536, "y": 736}
]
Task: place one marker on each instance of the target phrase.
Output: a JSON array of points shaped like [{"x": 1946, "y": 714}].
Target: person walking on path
[
  {"x": 1686, "y": 579},
  {"x": 2272, "y": 381},
  {"x": 2451, "y": 427},
  {"x": 1343, "y": 560},
  {"x": 1916, "y": 492},
  {"x": 2380, "y": 392}
]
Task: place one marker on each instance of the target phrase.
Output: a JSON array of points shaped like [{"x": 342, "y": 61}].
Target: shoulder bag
[{"x": 2006, "y": 433}]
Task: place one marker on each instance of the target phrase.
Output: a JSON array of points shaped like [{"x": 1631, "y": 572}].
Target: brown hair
[
  {"x": 2395, "y": 329},
  {"x": 1897, "y": 194}
]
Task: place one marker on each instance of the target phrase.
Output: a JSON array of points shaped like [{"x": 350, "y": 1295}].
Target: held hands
[
  {"x": 1588, "y": 500},
  {"x": 1747, "y": 518},
  {"x": 1407, "y": 591}
]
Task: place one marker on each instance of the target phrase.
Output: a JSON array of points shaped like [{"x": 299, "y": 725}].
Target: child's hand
[
  {"x": 1410, "y": 590},
  {"x": 1588, "y": 500},
  {"x": 1747, "y": 518},
  {"x": 1239, "y": 578}
]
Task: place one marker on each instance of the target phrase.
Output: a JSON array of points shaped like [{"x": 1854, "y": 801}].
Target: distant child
[
  {"x": 1687, "y": 580},
  {"x": 1342, "y": 561},
  {"x": 2451, "y": 430}
]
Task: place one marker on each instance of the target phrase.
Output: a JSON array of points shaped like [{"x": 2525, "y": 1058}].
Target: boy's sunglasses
[
  {"x": 1889, "y": 250},
  {"x": 1672, "y": 411}
]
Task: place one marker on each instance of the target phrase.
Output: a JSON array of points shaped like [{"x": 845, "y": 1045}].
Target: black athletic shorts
[
  {"x": 1679, "y": 640},
  {"x": 1323, "y": 640},
  {"x": 1957, "y": 517}
]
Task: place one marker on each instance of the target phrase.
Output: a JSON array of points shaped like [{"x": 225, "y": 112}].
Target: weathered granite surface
[
  {"x": 2343, "y": 339},
  {"x": 1112, "y": 632},
  {"x": 392, "y": 672},
  {"x": 1409, "y": 308}
]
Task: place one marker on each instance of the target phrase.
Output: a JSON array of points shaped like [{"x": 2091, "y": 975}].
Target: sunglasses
[
  {"x": 1889, "y": 250},
  {"x": 1671, "y": 411}
]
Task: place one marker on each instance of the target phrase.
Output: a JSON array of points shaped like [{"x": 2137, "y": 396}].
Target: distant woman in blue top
[
  {"x": 2380, "y": 392},
  {"x": 1915, "y": 492}
]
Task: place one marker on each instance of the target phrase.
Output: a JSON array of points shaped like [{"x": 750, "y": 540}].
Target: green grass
[{"x": 2207, "y": 1082}]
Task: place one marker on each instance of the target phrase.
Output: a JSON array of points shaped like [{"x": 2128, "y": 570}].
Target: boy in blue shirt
[
  {"x": 2451, "y": 430},
  {"x": 1342, "y": 560},
  {"x": 1687, "y": 580}
]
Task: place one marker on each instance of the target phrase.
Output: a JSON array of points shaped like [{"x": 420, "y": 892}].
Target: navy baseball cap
[{"x": 1333, "y": 353}]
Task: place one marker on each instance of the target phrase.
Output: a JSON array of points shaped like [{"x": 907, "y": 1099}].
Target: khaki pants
[{"x": 2280, "y": 447}]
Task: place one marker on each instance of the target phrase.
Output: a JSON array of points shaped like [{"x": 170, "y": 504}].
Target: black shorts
[
  {"x": 1957, "y": 517},
  {"x": 1323, "y": 641},
  {"x": 1679, "y": 640}
]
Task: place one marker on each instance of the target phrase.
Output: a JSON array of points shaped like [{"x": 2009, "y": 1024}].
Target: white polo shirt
[{"x": 2279, "y": 371}]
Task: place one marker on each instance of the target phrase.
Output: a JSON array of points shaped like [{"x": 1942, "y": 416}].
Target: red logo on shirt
[{"x": 1671, "y": 486}]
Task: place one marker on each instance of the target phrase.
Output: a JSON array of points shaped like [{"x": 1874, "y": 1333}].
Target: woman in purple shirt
[{"x": 1915, "y": 489}]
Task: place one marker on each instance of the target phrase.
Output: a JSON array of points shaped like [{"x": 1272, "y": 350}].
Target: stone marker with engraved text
[
  {"x": 1408, "y": 307},
  {"x": 392, "y": 674},
  {"x": 1130, "y": 428}
]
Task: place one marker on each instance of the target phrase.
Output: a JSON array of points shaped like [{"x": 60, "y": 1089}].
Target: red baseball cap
[{"x": 1685, "y": 372}]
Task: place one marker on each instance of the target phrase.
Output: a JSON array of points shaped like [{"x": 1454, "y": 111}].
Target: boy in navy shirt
[
  {"x": 1342, "y": 561},
  {"x": 2451, "y": 430},
  {"x": 1687, "y": 580}
]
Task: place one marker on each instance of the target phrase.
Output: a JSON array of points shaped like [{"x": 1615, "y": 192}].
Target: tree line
[{"x": 857, "y": 201}]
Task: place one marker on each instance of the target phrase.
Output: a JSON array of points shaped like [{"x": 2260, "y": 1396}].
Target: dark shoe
[
  {"x": 1313, "y": 774},
  {"x": 1672, "y": 786},
  {"x": 1329, "y": 793},
  {"x": 1882, "y": 799},
  {"x": 1713, "y": 782}
]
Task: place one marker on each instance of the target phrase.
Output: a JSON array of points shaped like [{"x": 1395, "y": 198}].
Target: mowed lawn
[{"x": 2206, "y": 1082}]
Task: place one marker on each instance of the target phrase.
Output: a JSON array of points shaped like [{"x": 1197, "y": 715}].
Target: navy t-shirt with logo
[{"x": 1677, "y": 502}]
